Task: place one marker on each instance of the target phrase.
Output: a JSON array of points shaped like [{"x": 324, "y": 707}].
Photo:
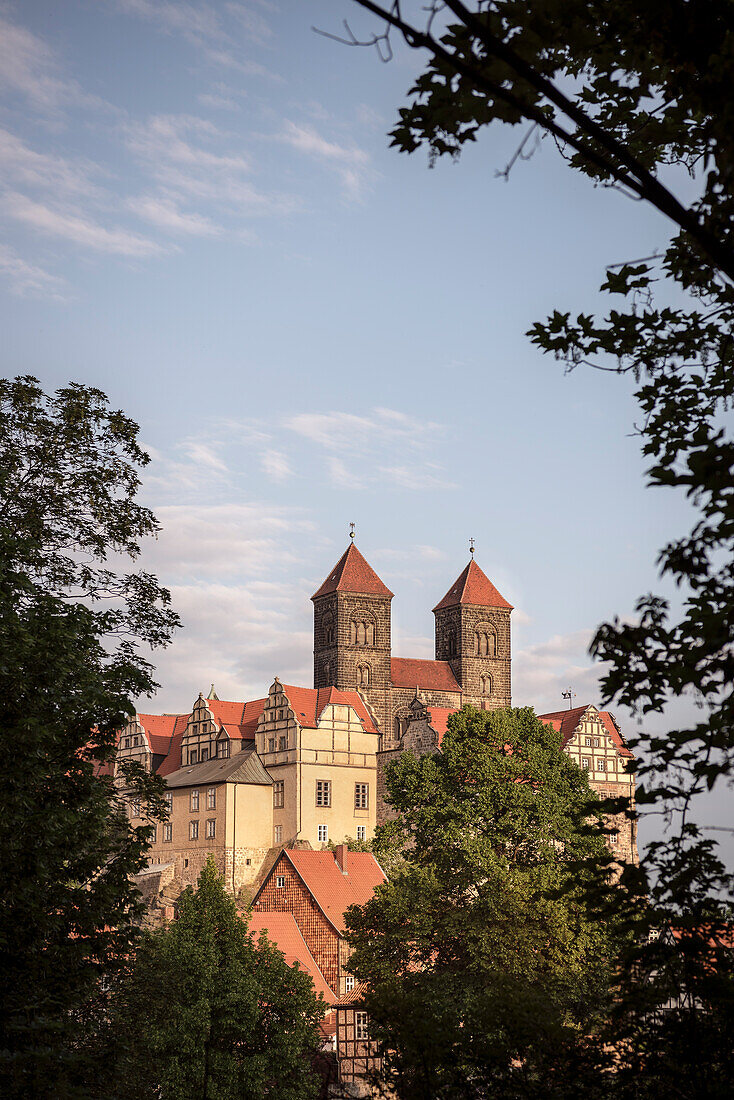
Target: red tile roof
[
  {"x": 354, "y": 996},
  {"x": 282, "y": 930},
  {"x": 567, "y": 722},
  {"x": 473, "y": 587},
  {"x": 239, "y": 719},
  {"x": 353, "y": 574},
  {"x": 308, "y": 704},
  {"x": 438, "y": 718},
  {"x": 333, "y": 891},
  {"x": 410, "y": 673},
  {"x": 159, "y": 729},
  {"x": 173, "y": 758}
]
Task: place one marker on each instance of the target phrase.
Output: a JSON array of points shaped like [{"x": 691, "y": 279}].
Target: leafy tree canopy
[
  {"x": 71, "y": 630},
  {"x": 482, "y": 957},
  {"x": 207, "y": 1013}
]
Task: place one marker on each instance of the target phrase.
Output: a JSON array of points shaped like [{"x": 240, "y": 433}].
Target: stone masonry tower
[
  {"x": 473, "y": 635},
  {"x": 351, "y": 632}
]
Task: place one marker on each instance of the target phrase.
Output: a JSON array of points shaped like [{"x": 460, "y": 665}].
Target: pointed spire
[
  {"x": 475, "y": 588},
  {"x": 353, "y": 574},
  {"x": 212, "y": 694}
]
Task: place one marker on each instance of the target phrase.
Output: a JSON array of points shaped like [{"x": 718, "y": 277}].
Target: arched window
[
  {"x": 362, "y": 632},
  {"x": 353, "y": 632},
  {"x": 370, "y": 634},
  {"x": 328, "y": 630},
  {"x": 452, "y": 644},
  {"x": 364, "y": 676},
  {"x": 485, "y": 685},
  {"x": 486, "y": 642},
  {"x": 400, "y": 725}
]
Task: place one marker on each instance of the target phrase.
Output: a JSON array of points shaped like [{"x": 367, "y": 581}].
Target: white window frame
[
  {"x": 193, "y": 830},
  {"x": 280, "y": 882},
  {"x": 278, "y": 834},
  {"x": 323, "y": 793},
  {"x": 361, "y": 796},
  {"x": 361, "y": 832},
  {"x": 349, "y": 983},
  {"x": 211, "y": 828},
  {"x": 322, "y": 834},
  {"x": 361, "y": 1026}
]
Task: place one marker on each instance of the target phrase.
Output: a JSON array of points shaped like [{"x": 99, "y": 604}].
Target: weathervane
[
  {"x": 570, "y": 695},
  {"x": 471, "y": 547},
  {"x": 351, "y": 530}
]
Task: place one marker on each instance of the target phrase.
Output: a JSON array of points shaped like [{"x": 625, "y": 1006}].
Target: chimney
[{"x": 340, "y": 855}]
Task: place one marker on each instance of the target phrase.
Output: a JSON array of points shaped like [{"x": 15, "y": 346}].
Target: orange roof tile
[
  {"x": 308, "y": 704},
  {"x": 473, "y": 587},
  {"x": 159, "y": 729},
  {"x": 353, "y": 574},
  {"x": 333, "y": 891},
  {"x": 354, "y": 996},
  {"x": 438, "y": 718},
  {"x": 173, "y": 758},
  {"x": 567, "y": 722},
  {"x": 411, "y": 673},
  {"x": 282, "y": 930}
]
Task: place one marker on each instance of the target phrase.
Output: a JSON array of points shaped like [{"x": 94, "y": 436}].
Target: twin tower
[{"x": 352, "y": 645}]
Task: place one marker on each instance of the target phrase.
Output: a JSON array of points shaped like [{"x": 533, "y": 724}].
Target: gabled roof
[
  {"x": 408, "y": 672},
  {"x": 159, "y": 729},
  {"x": 475, "y": 588},
  {"x": 173, "y": 752},
  {"x": 332, "y": 890},
  {"x": 354, "y": 996},
  {"x": 308, "y": 704},
  {"x": 353, "y": 574},
  {"x": 239, "y": 719},
  {"x": 242, "y": 767},
  {"x": 567, "y": 722},
  {"x": 282, "y": 930}
]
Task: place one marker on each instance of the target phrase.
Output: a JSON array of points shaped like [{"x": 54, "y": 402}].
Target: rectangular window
[
  {"x": 153, "y": 834},
  {"x": 167, "y": 833},
  {"x": 193, "y": 830},
  {"x": 278, "y": 794},
  {"x": 323, "y": 792},
  {"x": 596, "y": 742},
  {"x": 194, "y": 807},
  {"x": 361, "y": 796},
  {"x": 585, "y": 763},
  {"x": 280, "y": 881},
  {"x": 211, "y": 828},
  {"x": 271, "y": 744},
  {"x": 194, "y": 756},
  {"x": 282, "y": 744},
  {"x": 135, "y": 807},
  {"x": 360, "y": 1026},
  {"x": 614, "y": 838},
  {"x": 169, "y": 800},
  {"x": 323, "y": 834},
  {"x": 587, "y": 742},
  {"x": 278, "y": 834},
  {"x": 204, "y": 755},
  {"x": 349, "y": 983},
  {"x": 361, "y": 832},
  {"x": 223, "y": 750},
  {"x": 601, "y": 765},
  {"x": 211, "y": 798}
]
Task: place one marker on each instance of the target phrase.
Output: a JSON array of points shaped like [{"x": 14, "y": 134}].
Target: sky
[{"x": 202, "y": 216}]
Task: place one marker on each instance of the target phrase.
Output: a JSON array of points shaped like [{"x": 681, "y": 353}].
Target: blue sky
[{"x": 201, "y": 216}]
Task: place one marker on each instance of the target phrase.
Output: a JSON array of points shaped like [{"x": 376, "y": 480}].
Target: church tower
[
  {"x": 351, "y": 632},
  {"x": 473, "y": 635}
]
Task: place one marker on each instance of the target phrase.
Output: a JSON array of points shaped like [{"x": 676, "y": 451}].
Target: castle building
[{"x": 303, "y": 767}]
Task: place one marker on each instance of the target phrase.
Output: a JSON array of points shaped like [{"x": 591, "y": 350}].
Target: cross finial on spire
[
  {"x": 351, "y": 530},
  {"x": 570, "y": 695},
  {"x": 471, "y": 547}
]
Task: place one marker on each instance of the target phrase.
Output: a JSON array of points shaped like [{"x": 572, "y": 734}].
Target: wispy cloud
[
  {"x": 165, "y": 214},
  {"x": 21, "y": 164},
  {"x": 349, "y": 161},
  {"x": 187, "y": 156},
  {"x": 73, "y": 226},
  {"x": 28, "y": 68},
  {"x": 542, "y": 671},
  {"x": 276, "y": 465},
  {"x": 29, "y": 279}
]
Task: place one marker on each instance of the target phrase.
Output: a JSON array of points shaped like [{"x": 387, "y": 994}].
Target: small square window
[
  {"x": 280, "y": 881},
  {"x": 614, "y": 837},
  {"x": 248, "y": 862},
  {"x": 349, "y": 983},
  {"x": 361, "y": 1030},
  {"x": 193, "y": 830},
  {"x": 323, "y": 833},
  {"x": 323, "y": 792},
  {"x": 587, "y": 742},
  {"x": 601, "y": 765},
  {"x": 278, "y": 834},
  {"x": 585, "y": 763},
  {"x": 211, "y": 828},
  {"x": 361, "y": 832},
  {"x": 211, "y": 798},
  {"x": 167, "y": 833}
]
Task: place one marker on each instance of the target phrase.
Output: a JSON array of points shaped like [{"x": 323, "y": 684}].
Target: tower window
[
  {"x": 486, "y": 642},
  {"x": 328, "y": 630},
  {"x": 364, "y": 676},
  {"x": 361, "y": 632},
  {"x": 485, "y": 685}
]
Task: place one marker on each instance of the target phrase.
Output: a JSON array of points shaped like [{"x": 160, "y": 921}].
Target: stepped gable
[
  {"x": 566, "y": 722},
  {"x": 282, "y": 930},
  {"x": 352, "y": 573},
  {"x": 407, "y": 672},
  {"x": 308, "y": 704},
  {"x": 332, "y": 890},
  {"x": 239, "y": 719},
  {"x": 158, "y": 730},
  {"x": 475, "y": 588}
]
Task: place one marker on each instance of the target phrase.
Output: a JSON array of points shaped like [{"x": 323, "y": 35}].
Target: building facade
[{"x": 305, "y": 767}]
